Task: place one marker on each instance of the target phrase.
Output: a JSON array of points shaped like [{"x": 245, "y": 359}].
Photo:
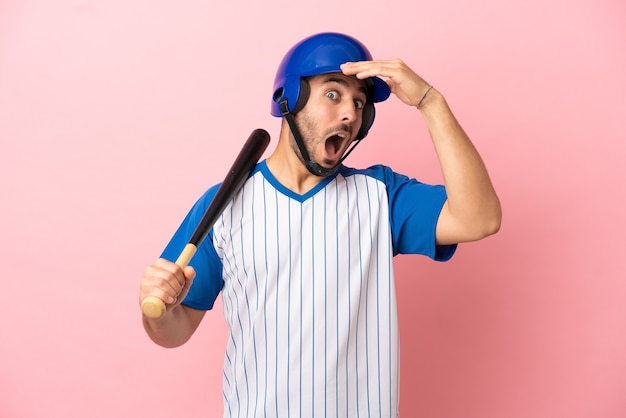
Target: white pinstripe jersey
[{"x": 308, "y": 289}]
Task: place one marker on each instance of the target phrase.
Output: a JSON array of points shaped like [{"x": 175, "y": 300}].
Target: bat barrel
[
  {"x": 242, "y": 167},
  {"x": 239, "y": 172}
]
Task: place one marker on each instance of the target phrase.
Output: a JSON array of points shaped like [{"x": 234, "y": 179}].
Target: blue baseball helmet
[{"x": 322, "y": 53}]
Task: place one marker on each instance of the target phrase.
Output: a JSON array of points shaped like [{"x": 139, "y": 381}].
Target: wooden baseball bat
[{"x": 245, "y": 162}]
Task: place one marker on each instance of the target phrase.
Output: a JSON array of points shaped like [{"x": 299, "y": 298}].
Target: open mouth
[{"x": 335, "y": 145}]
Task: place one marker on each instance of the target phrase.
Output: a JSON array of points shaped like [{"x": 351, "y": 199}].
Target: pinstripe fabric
[{"x": 310, "y": 302}]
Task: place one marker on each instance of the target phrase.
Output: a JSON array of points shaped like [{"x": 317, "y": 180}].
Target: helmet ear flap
[
  {"x": 303, "y": 97},
  {"x": 367, "y": 119},
  {"x": 290, "y": 95}
]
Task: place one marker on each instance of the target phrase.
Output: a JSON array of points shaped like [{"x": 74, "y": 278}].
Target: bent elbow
[
  {"x": 487, "y": 223},
  {"x": 467, "y": 226},
  {"x": 491, "y": 223},
  {"x": 493, "y": 226}
]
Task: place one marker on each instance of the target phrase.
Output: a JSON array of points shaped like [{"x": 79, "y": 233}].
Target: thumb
[{"x": 190, "y": 274}]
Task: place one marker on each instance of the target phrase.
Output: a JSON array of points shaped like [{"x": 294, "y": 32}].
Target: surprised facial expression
[{"x": 331, "y": 118}]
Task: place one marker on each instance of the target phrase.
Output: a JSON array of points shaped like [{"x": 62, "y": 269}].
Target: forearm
[
  {"x": 472, "y": 210},
  {"x": 472, "y": 201},
  {"x": 174, "y": 328}
]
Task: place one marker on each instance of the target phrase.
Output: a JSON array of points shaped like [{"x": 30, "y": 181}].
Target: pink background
[{"x": 115, "y": 116}]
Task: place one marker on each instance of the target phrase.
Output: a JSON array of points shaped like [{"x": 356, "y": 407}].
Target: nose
[{"x": 348, "y": 111}]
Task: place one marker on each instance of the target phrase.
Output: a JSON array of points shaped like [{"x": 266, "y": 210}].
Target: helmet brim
[{"x": 381, "y": 90}]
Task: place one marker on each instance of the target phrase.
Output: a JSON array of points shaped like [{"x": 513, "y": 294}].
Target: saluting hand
[{"x": 402, "y": 80}]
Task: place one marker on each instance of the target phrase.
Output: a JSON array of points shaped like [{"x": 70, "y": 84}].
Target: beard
[
  {"x": 309, "y": 132},
  {"x": 305, "y": 127}
]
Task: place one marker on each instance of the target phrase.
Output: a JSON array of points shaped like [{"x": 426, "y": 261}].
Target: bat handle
[{"x": 152, "y": 306}]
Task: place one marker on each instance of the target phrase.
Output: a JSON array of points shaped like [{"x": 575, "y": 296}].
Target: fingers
[
  {"x": 167, "y": 281},
  {"x": 402, "y": 80},
  {"x": 378, "y": 68}
]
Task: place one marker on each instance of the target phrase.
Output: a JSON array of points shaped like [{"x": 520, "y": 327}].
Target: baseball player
[{"x": 303, "y": 255}]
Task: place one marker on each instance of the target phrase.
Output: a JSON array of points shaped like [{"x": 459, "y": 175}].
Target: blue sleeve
[
  {"x": 414, "y": 210},
  {"x": 208, "y": 281}
]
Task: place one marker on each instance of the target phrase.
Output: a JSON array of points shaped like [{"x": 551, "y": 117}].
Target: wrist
[
  {"x": 430, "y": 99},
  {"x": 421, "y": 101}
]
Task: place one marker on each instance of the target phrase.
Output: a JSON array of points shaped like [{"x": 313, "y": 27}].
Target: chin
[{"x": 330, "y": 163}]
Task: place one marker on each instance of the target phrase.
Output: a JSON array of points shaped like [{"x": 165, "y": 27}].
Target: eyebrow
[{"x": 344, "y": 82}]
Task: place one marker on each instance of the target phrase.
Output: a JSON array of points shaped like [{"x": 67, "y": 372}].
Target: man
[{"x": 303, "y": 254}]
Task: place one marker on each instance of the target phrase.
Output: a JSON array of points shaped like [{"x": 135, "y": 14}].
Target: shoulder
[
  {"x": 402, "y": 190},
  {"x": 385, "y": 174},
  {"x": 379, "y": 172},
  {"x": 208, "y": 195}
]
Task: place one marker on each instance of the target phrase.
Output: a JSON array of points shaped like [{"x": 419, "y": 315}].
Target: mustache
[{"x": 341, "y": 127}]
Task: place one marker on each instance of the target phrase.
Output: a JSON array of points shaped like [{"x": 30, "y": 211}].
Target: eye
[
  {"x": 359, "y": 104},
  {"x": 332, "y": 94}
]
